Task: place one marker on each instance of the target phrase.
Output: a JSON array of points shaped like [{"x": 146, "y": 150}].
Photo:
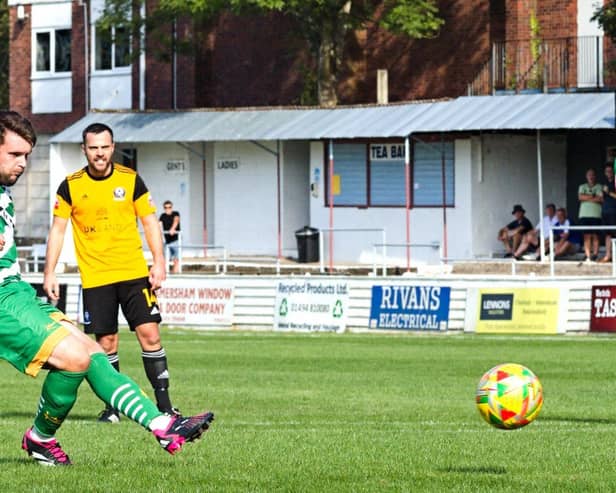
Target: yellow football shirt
[{"x": 103, "y": 213}]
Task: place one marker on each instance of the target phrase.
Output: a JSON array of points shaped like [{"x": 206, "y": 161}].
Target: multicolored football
[{"x": 509, "y": 396}]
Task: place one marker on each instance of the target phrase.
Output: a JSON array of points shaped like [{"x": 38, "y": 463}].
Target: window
[
  {"x": 373, "y": 175},
  {"x": 52, "y": 51},
  {"x": 429, "y": 159},
  {"x": 111, "y": 49},
  {"x": 349, "y": 184}
]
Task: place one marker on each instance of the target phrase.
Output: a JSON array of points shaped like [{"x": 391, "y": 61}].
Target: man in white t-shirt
[{"x": 530, "y": 242}]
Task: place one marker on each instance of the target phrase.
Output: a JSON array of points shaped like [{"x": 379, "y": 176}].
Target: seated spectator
[
  {"x": 512, "y": 234},
  {"x": 566, "y": 242},
  {"x": 530, "y": 241}
]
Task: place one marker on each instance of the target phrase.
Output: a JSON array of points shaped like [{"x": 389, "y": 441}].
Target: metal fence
[{"x": 542, "y": 65}]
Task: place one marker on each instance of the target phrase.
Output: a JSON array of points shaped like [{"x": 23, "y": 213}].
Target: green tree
[
  {"x": 605, "y": 15},
  {"x": 323, "y": 24},
  {"x": 4, "y": 54}
]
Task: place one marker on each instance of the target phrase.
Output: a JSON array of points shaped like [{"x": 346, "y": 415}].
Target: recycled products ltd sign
[{"x": 307, "y": 305}]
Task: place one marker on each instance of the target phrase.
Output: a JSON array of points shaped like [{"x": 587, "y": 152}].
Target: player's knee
[
  {"x": 150, "y": 342},
  {"x": 80, "y": 360},
  {"x": 109, "y": 342},
  {"x": 149, "y": 336}
]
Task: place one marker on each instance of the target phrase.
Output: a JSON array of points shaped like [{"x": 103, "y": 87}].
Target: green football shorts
[{"x": 30, "y": 329}]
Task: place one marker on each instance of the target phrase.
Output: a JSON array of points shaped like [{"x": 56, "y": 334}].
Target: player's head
[
  {"x": 168, "y": 206},
  {"x": 13, "y": 121},
  {"x": 98, "y": 148},
  {"x": 17, "y": 137},
  {"x": 96, "y": 128}
]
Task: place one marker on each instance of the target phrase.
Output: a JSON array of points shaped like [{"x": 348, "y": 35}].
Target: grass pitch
[{"x": 324, "y": 412}]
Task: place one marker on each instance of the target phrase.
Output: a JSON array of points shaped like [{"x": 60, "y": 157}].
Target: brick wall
[
  {"x": 249, "y": 62},
  {"x": 20, "y": 59},
  {"x": 258, "y": 61},
  {"x": 424, "y": 68},
  {"x": 31, "y": 192}
]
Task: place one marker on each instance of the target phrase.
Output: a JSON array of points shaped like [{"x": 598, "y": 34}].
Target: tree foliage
[
  {"x": 605, "y": 15},
  {"x": 323, "y": 24}
]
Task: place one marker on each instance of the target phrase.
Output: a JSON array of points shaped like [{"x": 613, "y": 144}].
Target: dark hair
[
  {"x": 96, "y": 128},
  {"x": 550, "y": 206},
  {"x": 562, "y": 209},
  {"x": 13, "y": 121},
  {"x": 167, "y": 202}
]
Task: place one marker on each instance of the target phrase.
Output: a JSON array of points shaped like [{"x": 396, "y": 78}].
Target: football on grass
[{"x": 509, "y": 396}]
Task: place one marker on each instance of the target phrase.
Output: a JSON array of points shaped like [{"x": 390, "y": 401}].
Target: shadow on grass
[
  {"x": 578, "y": 419},
  {"x": 475, "y": 469}
]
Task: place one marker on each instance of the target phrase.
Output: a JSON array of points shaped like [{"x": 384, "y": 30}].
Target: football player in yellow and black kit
[{"x": 103, "y": 201}]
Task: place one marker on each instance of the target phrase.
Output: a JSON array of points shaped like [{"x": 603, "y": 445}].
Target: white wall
[
  {"x": 52, "y": 94},
  {"x": 505, "y": 173},
  {"x": 63, "y": 160},
  {"x": 111, "y": 91},
  {"x": 31, "y": 193},
  {"x": 426, "y": 223},
  {"x": 245, "y": 215},
  {"x": 168, "y": 184},
  {"x": 295, "y": 192}
]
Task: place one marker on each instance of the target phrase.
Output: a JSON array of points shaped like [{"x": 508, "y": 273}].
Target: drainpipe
[
  {"x": 86, "y": 55},
  {"x": 142, "y": 60}
]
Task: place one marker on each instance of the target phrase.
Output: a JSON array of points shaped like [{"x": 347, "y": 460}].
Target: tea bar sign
[{"x": 386, "y": 152}]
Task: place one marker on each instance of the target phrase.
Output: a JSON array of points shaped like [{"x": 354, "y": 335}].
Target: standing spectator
[
  {"x": 103, "y": 201},
  {"x": 590, "y": 195},
  {"x": 530, "y": 242},
  {"x": 511, "y": 235},
  {"x": 566, "y": 242},
  {"x": 170, "y": 224},
  {"x": 608, "y": 211}
]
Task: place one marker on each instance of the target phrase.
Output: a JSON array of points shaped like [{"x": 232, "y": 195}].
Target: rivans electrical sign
[{"x": 410, "y": 307}]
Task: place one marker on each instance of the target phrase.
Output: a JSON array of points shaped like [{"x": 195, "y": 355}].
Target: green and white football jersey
[{"x": 9, "y": 267}]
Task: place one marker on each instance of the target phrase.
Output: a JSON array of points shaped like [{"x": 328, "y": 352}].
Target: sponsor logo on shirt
[{"x": 119, "y": 193}]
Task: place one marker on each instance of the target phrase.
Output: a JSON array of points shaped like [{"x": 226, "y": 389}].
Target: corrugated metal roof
[{"x": 513, "y": 112}]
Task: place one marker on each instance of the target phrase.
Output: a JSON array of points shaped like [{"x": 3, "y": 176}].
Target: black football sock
[{"x": 155, "y": 365}]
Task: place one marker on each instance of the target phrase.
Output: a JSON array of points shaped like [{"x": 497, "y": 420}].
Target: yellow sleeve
[
  {"x": 144, "y": 205},
  {"x": 62, "y": 208}
]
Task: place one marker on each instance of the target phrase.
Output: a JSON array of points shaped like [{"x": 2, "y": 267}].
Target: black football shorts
[{"x": 136, "y": 298}]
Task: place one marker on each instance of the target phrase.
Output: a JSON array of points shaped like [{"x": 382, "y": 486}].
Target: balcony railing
[{"x": 549, "y": 65}]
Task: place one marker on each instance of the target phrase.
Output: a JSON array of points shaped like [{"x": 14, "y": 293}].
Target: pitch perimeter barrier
[{"x": 445, "y": 304}]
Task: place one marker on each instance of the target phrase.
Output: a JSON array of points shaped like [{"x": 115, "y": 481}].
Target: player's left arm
[{"x": 153, "y": 236}]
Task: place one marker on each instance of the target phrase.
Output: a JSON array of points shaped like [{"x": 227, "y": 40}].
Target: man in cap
[{"x": 511, "y": 235}]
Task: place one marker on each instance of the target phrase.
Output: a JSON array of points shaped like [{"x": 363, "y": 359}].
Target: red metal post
[
  {"x": 331, "y": 206},
  {"x": 407, "y": 191}
]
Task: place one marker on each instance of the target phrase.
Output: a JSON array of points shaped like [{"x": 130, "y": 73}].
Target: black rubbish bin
[{"x": 307, "y": 244}]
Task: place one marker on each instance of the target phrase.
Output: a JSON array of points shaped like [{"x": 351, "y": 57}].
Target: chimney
[{"x": 382, "y": 95}]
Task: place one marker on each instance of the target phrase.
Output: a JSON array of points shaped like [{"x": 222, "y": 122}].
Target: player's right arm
[{"x": 54, "y": 247}]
